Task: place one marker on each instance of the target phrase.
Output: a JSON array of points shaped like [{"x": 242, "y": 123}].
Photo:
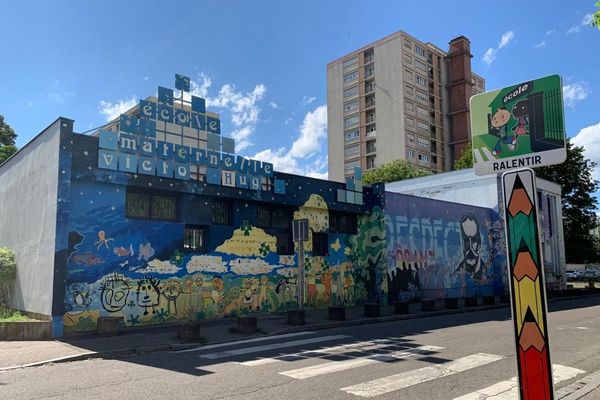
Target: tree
[
  {"x": 7, "y": 140},
  {"x": 596, "y": 17},
  {"x": 575, "y": 176},
  {"x": 466, "y": 158},
  {"x": 8, "y": 269},
  {"x": 395, "y": 171}
]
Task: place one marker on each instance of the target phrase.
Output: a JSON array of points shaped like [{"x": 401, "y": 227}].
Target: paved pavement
[
  {"x": 19, "y": 354},
  {"x": 466, "y": 356}
]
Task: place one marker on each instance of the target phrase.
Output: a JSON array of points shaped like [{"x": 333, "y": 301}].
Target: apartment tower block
[{"x": 399, "y": 98}]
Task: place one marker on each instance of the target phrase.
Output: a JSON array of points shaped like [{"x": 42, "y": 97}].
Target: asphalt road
[{"x": 448, "y": 357}]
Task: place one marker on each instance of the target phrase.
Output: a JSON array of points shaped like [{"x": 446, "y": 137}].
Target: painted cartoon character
[
  {"x": 217, "y": 292},
  {"x": 262, "y": 293},
  {"x": 171, "y": 289},
  {"x": 326, "y": 281},
  {"x": 471, "y": 240},
  {"x": 498, "y": 128},
  {"x": 114, "y": 292},
  {"x": 148, "y": 294},
  {"x": 521, "y": 112}
]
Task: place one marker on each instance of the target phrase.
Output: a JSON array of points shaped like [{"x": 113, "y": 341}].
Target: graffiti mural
[
  {"x": 136, "y": 269},
  {"x": 437, "y": 251}
]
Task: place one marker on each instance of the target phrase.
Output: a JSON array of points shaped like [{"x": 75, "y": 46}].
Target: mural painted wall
[
  {"x": 439, "y": 249},
  {"x": 137, "y": 269}
]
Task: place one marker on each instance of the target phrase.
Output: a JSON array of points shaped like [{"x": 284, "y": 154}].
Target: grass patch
[{"x": 10, "y": 315}]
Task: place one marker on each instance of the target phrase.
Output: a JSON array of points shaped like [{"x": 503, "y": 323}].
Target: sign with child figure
[{"x": 519, "y": 126}]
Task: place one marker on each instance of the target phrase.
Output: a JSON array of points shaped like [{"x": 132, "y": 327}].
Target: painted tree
[
  {"x": 575, "y": 176},
  {"x": 395, "y": 171},
  {"x": 466, "y": 158},
  {"x": 7, "y": 140}
]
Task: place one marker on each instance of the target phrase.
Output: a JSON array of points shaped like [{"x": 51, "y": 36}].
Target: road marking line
[
  {"x": 336, "y": 366},
  {"x": 253, "y": 340},
  {"x": 488, "y": 154},
  {"x": 405, "y": 379},
  {"x": 478, "y": 157},
  {"x": 509, "y": 390},
  {"x": 580, "y": 388},
  {"x": 358, "y": 346},
  {"x": 256, "y": 349}
]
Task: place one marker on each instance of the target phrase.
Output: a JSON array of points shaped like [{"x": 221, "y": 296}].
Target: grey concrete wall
[
  {"x": 335, "y": 122},
  {"x": 28, "y": 199},
  {"x": 389, "y": 101}
]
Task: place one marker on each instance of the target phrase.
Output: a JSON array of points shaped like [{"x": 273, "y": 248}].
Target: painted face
[
  {"x": 217, "y": 283},
  {"x": 114, "y": 293},
  {"x": 469, "y": 229},
  {"x": 520, "y": 108},
  {"x": 500, "y": 118},
  {"x": 147, "y": 293}
]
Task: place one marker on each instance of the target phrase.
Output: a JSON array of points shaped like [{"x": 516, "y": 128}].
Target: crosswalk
[{"x": 311, "y": 358}]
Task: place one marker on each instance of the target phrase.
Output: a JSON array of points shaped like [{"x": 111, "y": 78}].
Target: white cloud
[
  {"x": 308, "y": 100},
  {"x": 145, "y": 78},
  {"x": 540, "y": 44},
  {"x": 274, "y": 105},
  {"x": 550, "y": 32},
  {"x": 574, "y": 93},
  {"x": 586, "y": 20},
  {"x": 490, "y": 54},
  {"x": 304, "y": 157},
  {"x": 113, "y": 110},
  {"x": 243, "y": 108},
  {"x": 589, "y": 139}
]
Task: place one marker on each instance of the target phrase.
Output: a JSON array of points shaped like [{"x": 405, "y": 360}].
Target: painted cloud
[
  {"x": 206, "y": 264},
  {"x": 157, "y": 266}
]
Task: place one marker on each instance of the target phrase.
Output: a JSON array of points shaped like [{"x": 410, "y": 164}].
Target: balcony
[
  {"x": 371, "y": 149},
  {"x": 371, "y": 134}
]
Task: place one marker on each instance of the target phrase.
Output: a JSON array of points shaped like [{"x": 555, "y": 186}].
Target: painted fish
[
  {"x": 87, "y": 258},
  {"x": 122, "y": 251}
]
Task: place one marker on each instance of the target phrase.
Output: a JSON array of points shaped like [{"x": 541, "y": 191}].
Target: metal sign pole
[{"x": 300, "y": 274}]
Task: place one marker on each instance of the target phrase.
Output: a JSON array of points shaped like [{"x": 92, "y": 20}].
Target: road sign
[
  {"x": 300, "y": 230},
  {"x": 526, "y": 277},
  {"x": 519, "y": 126}
]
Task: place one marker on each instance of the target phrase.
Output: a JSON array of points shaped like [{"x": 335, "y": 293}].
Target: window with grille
[{"x": 150, "y": 206}]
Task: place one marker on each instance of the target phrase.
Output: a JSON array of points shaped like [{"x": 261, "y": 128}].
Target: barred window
[
  {"x": 272, "y": 217},
  {"x": 221, "y": 213},
  {"x": 150, "y": 206}
]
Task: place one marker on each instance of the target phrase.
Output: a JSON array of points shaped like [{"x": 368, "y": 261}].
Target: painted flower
[
  {"x": 177, "y": 258},
  {"x": 264, "y": 249}
]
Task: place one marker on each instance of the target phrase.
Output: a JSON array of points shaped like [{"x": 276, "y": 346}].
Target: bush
[
  {"x": 8, "y": 271},
  {"x": 8, "y": 266}
]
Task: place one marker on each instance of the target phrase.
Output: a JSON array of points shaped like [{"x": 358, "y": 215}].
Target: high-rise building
[{"x": 399, "y": 98}]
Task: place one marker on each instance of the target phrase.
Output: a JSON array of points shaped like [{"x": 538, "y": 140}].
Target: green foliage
[
  {"x": 7, "y": 140},
  {"x": 395, "y": 171},
  {"x": 8, "y": 266},
  {"x": 578, "y": 205},
  {"x": 596, "y": 17},
  {"x": 466, "y": 158},
  {"x": 8, "y": 315}
]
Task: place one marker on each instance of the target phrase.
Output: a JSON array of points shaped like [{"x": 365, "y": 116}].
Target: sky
[{"x": 261, "y": 64}]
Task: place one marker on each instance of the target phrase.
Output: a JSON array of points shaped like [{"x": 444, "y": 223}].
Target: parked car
[
  {"x": 572, "y": 275},
  {"x": 591, "y": 275}
]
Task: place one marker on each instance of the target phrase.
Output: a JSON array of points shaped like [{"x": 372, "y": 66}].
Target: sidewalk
[{"x": 32, "y": 353}]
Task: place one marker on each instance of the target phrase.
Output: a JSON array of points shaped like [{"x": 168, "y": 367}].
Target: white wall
[{"x": 28, "y": 199}]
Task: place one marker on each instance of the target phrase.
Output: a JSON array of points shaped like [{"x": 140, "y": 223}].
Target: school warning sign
[{"x": 520, "y": 126}]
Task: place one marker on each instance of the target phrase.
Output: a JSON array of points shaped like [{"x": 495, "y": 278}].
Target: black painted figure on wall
[{"x": 471, "y": 242}]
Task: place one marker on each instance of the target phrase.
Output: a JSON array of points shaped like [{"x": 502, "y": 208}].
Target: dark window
[
  {"x": 138, "y": 205},
  {"x": 194, "y": 238},
  {"x": 342, "y": 222},
  {"x": 285, "y": 245},
  {"x": 151, "y": 206},
  {"x": 272, "y": 217},
  {"x": 320, "y": 243},
  {"x": 221, "y": 213}
]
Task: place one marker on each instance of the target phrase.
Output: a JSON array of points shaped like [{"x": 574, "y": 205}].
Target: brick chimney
[{"x": 458, "y": 62}]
